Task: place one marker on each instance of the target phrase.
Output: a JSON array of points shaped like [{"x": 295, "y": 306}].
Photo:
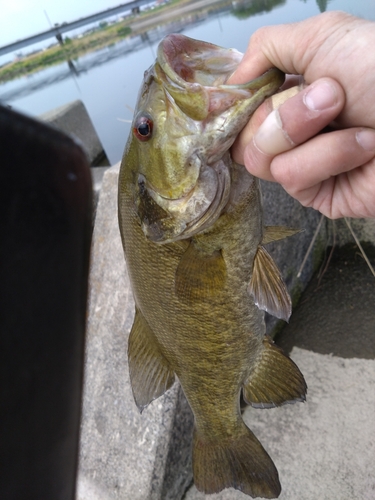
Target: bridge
[{"x": 57, "y": 30}]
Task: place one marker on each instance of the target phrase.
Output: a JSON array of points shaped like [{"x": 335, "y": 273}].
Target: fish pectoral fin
[
  {"x": 276, "y": 379},
  {"x": 199, "y": 275},
  {"x": 240, "y": 462},
  {"x": 267, "y": 286},
  {"x": 275, "y": 233},
  {"x": 150, "y": 373}
]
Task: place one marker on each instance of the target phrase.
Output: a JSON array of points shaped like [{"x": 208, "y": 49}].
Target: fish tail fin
[{"x": 241, "y": 463}]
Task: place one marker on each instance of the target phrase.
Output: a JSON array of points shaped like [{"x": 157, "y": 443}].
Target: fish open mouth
[{"x": 195, "y": 74}]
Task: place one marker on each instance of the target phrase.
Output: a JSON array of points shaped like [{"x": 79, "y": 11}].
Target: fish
[{"x": 191, "y": 224}]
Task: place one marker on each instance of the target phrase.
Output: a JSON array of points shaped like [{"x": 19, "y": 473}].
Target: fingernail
[
  {"x": 366, "y": 139},
  {"x": 270, "y": 138},
  {"x": 321, "y": 96}
]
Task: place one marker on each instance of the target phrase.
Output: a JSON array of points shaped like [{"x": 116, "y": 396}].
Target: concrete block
[
  {"x": 73, "y": 119},
  {"x": 340, "y": 234},
  {"x": 97, "y": 174},
  {"x": 125, "y": 455}
]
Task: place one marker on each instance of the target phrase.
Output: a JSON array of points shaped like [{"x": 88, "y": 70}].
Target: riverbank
[
  {"x": 73, "y": 48},
  {"x": 104, "y": 36},
  {"x": 70, "y": 50}
]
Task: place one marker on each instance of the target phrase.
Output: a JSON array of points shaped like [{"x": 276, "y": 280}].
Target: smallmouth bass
[{"x": 192, "y": 229}]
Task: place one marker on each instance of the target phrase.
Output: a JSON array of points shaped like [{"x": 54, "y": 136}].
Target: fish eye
[{"x": 142, "y": 128}]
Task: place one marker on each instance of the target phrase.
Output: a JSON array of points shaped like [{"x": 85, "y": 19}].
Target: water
[{"x": 107, "y": 81}]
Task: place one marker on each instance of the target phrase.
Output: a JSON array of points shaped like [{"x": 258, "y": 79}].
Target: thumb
[{"x": 261, "y": 113}]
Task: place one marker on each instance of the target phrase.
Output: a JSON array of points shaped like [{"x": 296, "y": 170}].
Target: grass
[{"x": 72, "y": 49}]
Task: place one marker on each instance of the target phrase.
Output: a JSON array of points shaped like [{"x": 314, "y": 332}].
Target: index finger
[{"x": 289, "y": 47}]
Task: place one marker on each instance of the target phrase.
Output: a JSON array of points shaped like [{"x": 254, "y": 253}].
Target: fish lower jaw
[{"x": 190, "y": 214}]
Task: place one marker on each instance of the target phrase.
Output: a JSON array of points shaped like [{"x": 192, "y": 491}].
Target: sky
[{"x": 22, "y": 18}]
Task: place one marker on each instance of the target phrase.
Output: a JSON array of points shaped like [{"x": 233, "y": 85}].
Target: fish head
[{"x": 187, "y": 119}]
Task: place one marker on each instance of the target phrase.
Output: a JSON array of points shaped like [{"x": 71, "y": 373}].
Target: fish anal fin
[
  {"x": 241, "y": 463},
  {"x": 276, "y": 380},
  {"x": 267, "y": 286},
  {"x": 275, "y": 233},
  {"x": 150, "y": 373},
  {"x": 199, "y": 274}
]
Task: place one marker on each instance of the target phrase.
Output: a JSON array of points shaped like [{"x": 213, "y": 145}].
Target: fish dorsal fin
[
  {"x": 276, "y": 379},
  {"x": 267, "y": 287},
  {"x": 274, "y": 233},
  {"x": 150, "y": 373},
  {"x": 199, "y": 275}
]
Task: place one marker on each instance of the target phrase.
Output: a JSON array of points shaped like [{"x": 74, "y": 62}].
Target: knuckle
[
  {"x": 283, "y": 171},
  {"x": 258, "y": 36}
]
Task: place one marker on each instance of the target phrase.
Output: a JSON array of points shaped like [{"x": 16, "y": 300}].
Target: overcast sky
[{"x": 21, "y": 18}]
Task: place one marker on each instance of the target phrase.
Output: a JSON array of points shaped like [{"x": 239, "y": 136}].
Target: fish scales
[{"x": 192, "y": 230}]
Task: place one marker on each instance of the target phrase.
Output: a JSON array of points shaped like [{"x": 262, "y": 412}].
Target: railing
[{"x": 57, "y": 30}]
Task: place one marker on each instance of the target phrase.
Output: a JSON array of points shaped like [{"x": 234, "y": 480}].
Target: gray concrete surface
[
  {"x": 340, "y": 233},
  {"x": 73, "y": 119},
  {"x": 97, "y": 174},
  {"x": 125, "y": 455}
]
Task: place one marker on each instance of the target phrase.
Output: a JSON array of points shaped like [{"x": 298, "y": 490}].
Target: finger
[
  {"x": 308, "y": 172},
  {"x": 289, "y": 47},
  {"x": 301, "y": 117},
  {"x": 298, "y": 119},
  {"x": 257, "y": 119},
  {"x": 261, "y": 55}
]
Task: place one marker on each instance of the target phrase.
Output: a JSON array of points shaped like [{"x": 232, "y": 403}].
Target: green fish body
[{"x": 192, "y": 230}]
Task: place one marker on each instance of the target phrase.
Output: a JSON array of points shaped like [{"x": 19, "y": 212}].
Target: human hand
[{"x": 332, "y": 172}]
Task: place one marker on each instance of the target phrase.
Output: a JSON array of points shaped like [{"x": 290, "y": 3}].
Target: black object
[{"x": 45, "y": 232}]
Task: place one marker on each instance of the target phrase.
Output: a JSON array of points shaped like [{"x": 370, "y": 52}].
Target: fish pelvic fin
[
  {"x": 276, "y": 379},
  {"x": 199, "y": 275},
  {"x": 150, "y": 373},
  {"x": 241, "y": 463},
  {"x": 275, "y": 233},
  {"x": 267, "y": 286}
]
